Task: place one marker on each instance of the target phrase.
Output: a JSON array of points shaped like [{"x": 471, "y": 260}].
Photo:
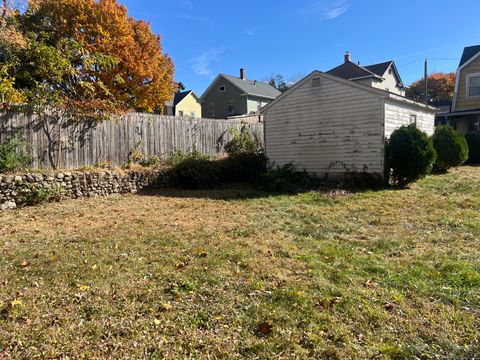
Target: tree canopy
[
  {"x": 85, "y": 54},
  {"x": 440, "y": 88}
]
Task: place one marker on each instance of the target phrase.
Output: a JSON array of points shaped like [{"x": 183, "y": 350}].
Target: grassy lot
[{"x": 236, "y": 274}]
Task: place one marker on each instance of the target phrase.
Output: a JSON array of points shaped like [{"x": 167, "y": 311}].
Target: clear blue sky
[{"x": 293, "y": 38}]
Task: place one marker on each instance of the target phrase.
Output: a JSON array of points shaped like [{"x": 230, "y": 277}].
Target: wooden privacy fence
[{"x": 63, "y": 142}]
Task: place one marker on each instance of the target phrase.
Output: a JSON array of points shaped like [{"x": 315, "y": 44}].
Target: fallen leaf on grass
[
  {"x": 389, "y": 306},
  {"x": 265, "y": 327},
  {"x": 24, "y": 264},
  {"x": 166, "y": 307},
  {"x": 182, "y": 266},
  {"x": 16, "y": 302}
]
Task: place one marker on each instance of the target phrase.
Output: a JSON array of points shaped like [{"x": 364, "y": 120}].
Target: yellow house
[
  {"x": 465, "y": 112},
  {"x": 184, "y": 104}
]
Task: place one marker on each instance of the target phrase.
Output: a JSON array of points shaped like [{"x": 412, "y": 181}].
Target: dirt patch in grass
[{"x": 383, "y": 274}]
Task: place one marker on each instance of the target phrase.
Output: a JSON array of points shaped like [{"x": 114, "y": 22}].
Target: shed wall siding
[
  {"x": 328, "y": 129},
  {"x": 399, "y": 114}
]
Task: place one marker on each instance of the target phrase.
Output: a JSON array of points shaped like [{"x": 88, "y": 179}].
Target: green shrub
[
  {"x": 152, "y": 161},
  {"x": 179, "y": 156},
  {"x": 244, "y": 167},
  {"x": 242, "y": 141},
  {"x": 473, "y": 141},
  {"x": 30, "y": 195},
  {"x": 286, "y": 179},
  {"x": 10, "y": 158},
  {"x": 196, "y": 171},
  {"x": 409, "y": 155},
  {"x": 451, "y": 148}
]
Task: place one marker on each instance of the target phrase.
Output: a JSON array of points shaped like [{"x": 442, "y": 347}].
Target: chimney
[
  {"x": 243, "y": 74},
  {"x": 347, "y": 57}
]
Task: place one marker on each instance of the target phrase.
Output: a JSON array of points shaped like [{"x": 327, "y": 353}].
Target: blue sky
[{"x": 293, "y": 38}]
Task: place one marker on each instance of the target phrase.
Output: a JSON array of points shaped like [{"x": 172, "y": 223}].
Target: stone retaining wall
[{"x": 14, "y": 188}]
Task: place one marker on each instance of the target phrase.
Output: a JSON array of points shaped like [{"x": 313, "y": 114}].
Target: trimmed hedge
[
  {"x": 409, "y": 155},
  {"x": 473, "y": 141},
  {"x": 451, "y": 148}
]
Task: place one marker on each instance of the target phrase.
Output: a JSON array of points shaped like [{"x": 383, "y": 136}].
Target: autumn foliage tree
[
  {"x": 440, "y": 88},
  {"x": 90, "y": 55}
]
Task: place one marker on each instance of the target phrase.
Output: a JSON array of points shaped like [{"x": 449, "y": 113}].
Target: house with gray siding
[
  {"x": 230, "y": 96},
  {"x": 330, "y": 126}
]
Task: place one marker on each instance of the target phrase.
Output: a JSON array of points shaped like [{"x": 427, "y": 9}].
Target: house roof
[
  {"x": 380, "y": 92},
  {"x": 253, "y": 87},
  {"x": 179, "y": 96},
  {"x": 379, "y": 69},
  {"x": 351, "y": 71},
  {"x": 468, "y": 53}
]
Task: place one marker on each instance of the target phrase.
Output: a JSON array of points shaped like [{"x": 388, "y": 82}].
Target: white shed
[{"x": 330, "y": 126}]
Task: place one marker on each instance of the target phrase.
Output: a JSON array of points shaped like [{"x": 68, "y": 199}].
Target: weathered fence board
[{"x": 71, "y": 144}]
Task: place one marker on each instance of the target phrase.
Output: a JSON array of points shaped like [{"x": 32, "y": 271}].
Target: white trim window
[
  {"x": 473, "y": 85},
  {"x": 221, "y": 88}
]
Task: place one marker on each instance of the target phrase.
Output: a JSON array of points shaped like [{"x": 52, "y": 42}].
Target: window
[
  {"x": 192, "y": 114},
  {"x": 221, "y": 88},
  {"x": 413, "y": 119},
  {"x": 231, "y": 109},
  {"x": 212, "y": 113},
  {"x": 180, "y": 113},
  {"x": 473, "y": 85}
]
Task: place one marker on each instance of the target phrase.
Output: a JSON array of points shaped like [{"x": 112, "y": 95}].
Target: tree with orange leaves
[
  {"x": 440, "y": 88},
  {"x": 90, "y": 54}
]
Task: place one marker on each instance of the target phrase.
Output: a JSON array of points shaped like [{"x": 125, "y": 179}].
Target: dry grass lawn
[{"x": 237, "y": 274}]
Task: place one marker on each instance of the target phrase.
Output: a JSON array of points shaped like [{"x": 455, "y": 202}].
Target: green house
[{"x": 229, "y": 96}]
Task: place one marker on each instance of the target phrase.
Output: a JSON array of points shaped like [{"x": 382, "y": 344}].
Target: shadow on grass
[
  {"x": 244, "y": 191},
  {"x": 227, "y": 192}
]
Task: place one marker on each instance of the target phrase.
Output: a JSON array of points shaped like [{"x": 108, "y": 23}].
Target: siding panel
[
  {"x": 328, "y": 129},
  {"x": 399, "y": 114},
  {"x": 464, "y": 103}
]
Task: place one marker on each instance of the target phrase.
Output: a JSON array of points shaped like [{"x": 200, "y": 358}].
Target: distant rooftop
[{"x": 253, "y": 87}]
